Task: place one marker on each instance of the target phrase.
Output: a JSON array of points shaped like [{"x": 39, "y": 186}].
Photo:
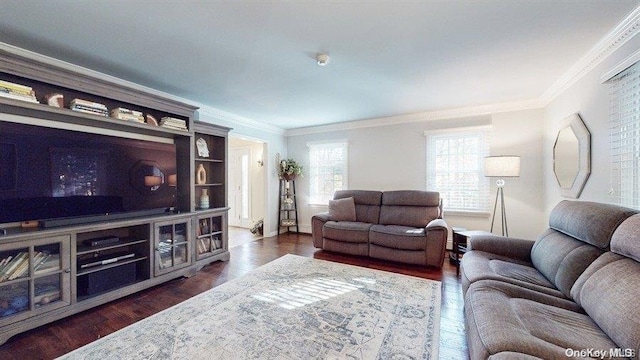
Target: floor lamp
[{"x": 501, "y": 167}]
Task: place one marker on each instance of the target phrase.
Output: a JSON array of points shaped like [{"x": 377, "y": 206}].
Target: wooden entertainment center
[{"x": 73, "y": 267}]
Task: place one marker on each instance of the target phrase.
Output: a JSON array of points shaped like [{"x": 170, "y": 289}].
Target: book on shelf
[
  {"x": 50, "y": 263},
  {"x": 89, "y": 104},
  {"x": 127, "y": 114},
  {"x": 86, "y": 110},
  {"x": 4, "y": 262},
  {"x": 27, "y": 93},
  {"x": 203, "y": 246},
  {"x": 16, "y": 87},
  {"x": 13, "y": 265},
  {"x": 173, "y": 123},
  {"x": 18, "y": 96}
]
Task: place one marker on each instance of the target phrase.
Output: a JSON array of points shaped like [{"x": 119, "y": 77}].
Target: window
[
  {"x": 327, "y": 170},
  {"x": 625, "y": 136},
  {"x": 455, "y": 159}
]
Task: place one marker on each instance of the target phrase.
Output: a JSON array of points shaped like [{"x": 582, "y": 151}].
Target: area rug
[{"x": 292, "y": 308}]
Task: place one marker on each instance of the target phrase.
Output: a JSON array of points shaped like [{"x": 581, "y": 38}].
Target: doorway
[{"x": 247, "y": 188}]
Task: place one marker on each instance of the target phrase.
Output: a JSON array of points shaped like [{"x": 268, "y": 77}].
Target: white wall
[
  {"x": 393, "y": 157},
  {"x": 589, "y": 98}
]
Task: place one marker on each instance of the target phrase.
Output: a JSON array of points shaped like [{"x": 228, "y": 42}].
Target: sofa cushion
[
  {"x": 342, "y": 209},
  {"x": 561, "y": 258},
  {"x": 626, "y": 239},
  {"x": 590, "y": 222},
  {"x": 609, "y": 291},
  {"x": 347, "y": 231},
  {"x": 398, "y": 237},
  {"x": 503, "y": 317},
  {"x": 479, "y": 265},
  {"x": 367, "y": 203},
  {"x": 409, "y": 207}
]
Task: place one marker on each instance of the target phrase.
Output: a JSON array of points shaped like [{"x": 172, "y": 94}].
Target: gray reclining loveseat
[
  {"x": 573, "y": 293},
  {"x": 403, "y": 226}
]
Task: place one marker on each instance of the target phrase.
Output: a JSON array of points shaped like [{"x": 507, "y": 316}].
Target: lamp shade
[{"x": 502, "y": 166}]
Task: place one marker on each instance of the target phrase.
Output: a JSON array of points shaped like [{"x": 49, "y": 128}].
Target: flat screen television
[{"x": 66, "y": 176}]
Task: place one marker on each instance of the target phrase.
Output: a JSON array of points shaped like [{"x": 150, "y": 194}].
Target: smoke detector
[{"x": 322, "y": 59}]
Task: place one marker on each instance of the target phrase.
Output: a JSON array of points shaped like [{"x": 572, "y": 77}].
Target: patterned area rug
[{"x": 292, "y": 308}]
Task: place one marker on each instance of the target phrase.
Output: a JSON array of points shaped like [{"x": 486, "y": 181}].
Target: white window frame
[
  {"x": 454, "y": 201},
  {"x": 624, "y": 136},
  {"x": 319, "y": 173}
]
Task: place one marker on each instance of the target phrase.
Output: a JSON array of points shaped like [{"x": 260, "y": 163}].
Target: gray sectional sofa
[
  {"x": 403, "y": 226},
  {"x": 572, "y": 293}
]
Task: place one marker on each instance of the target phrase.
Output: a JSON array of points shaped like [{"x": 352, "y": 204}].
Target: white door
[{"x": 239, "y": 187}]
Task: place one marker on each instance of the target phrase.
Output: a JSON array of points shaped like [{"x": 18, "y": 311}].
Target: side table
[{"x": 460, "y": 240}]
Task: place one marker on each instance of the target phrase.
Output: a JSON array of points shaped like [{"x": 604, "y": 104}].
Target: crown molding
[
  {"x": 233, "y": 119},
  {"x": 618, "y": 36},
  {"x": 420, "y": 117},
  {"x": 615, "y": 38}
]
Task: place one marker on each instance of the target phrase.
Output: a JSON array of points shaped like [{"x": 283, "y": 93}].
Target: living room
[{"x": 387, "y": 149}]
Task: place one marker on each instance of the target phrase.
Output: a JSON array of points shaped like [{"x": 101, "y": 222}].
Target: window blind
[
  {"x": 327, "y": 170},
  {"x": 625, "y": 137},
  {"x": 455, "y": 161}
]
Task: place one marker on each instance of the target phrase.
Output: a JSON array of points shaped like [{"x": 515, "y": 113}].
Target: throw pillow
[{"x": 342, "y": 209}]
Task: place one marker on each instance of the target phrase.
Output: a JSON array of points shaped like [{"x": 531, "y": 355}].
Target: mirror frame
[{"x": 584, "y": 155}]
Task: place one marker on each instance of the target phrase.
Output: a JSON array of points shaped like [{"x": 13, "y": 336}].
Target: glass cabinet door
[
  {"x": 210, "y": 235},
  {"x": 34, "y": 277},
  {"x": 172, "y": 246}
]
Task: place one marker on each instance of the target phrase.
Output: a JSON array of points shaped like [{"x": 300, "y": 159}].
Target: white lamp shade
[{"x": 502, "y": 166}]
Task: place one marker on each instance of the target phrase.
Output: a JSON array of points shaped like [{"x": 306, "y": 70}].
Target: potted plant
[{"x": 288, "y": 169}]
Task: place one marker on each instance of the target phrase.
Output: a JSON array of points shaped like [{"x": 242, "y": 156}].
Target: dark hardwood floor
[{"x": 60, "y": 337}]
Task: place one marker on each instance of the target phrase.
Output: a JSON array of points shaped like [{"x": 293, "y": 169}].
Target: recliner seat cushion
[
  {"x": 503, "y": 317},
  {"x": 398, "y": 237},
  {"x": 480, "y": 265},
  {"x": 347, "y": 231}
]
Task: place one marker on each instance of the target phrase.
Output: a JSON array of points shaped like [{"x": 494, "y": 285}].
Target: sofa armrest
[
  {"x": 317, "y": 222},
  {"x": 436, "y": 232},
  {"x": 514, "y": 248}
]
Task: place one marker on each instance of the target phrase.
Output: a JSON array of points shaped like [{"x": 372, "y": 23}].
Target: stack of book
[
  {"x": 89, "y": 107},
  {"x": 126, "y": 114},
  {"x": 14, "y": 267},
  {"x": 173, "y": 123},
  {"x": 16, "y": 91},
  {"x": 203, "y": 245}
]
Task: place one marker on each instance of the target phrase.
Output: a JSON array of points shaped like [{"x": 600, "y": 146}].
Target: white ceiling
[{"x": 256, "y": 59}]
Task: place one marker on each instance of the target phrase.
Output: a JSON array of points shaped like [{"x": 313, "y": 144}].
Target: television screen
[{"x": 51, "y": 173}]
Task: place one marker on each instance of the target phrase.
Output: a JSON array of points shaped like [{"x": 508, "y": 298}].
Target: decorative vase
[
  {"x": 201, "y": 175},
  {"x": 204, "y": 199},
  {"x": 289, "y": 176}
]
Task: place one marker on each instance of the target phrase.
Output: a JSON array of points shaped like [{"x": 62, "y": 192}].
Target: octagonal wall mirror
[{"x": 572, "y": 156}]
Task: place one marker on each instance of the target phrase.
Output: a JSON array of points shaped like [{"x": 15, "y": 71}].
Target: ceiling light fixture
[{"x": 322, "y": 59}]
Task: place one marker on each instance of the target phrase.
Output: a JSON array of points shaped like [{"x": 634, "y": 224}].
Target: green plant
[{"x": 288, "y": 167}]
